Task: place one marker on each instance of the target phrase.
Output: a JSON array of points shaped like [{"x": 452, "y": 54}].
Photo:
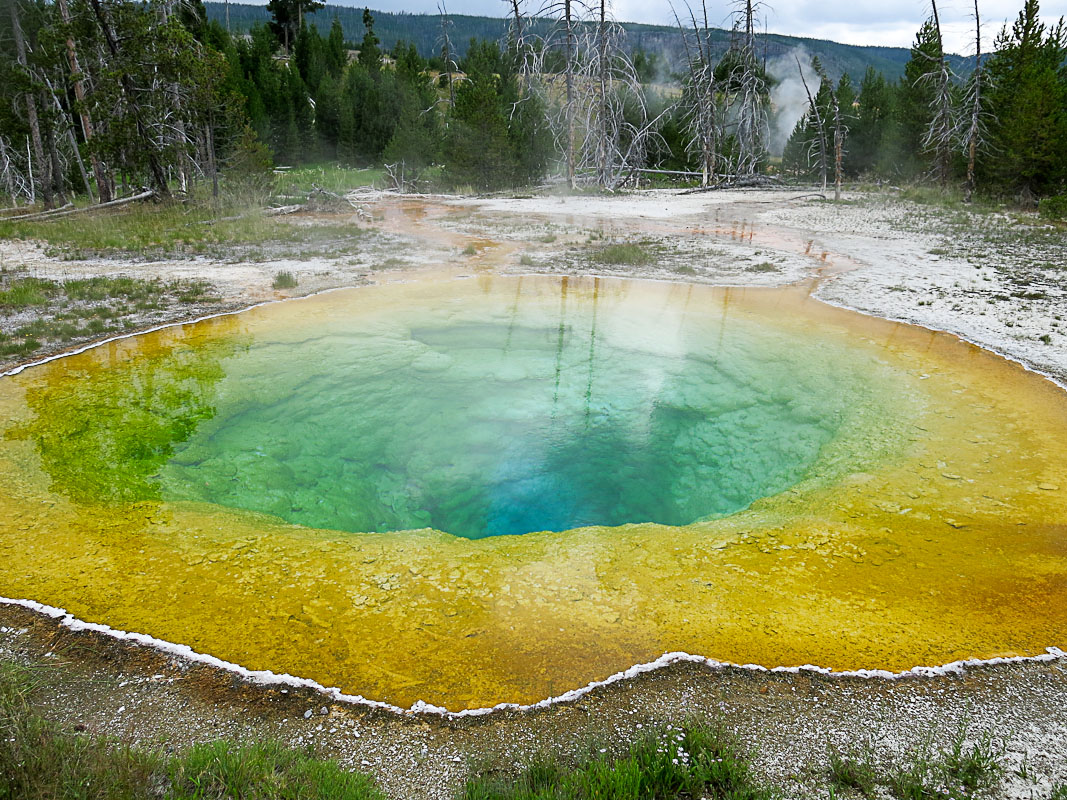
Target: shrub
[
  {"x": 1054, "y": 207},
  {"x": 628, "y": 254},
  {"x": 284, "y": 280}
]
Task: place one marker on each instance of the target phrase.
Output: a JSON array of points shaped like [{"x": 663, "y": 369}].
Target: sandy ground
[{"x": 994, "y": 279}]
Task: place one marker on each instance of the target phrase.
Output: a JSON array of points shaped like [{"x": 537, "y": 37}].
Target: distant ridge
[{"x": 664, "y": 40}]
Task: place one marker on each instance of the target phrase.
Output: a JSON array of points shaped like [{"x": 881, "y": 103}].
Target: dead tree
[
  {"x": 748, "y": 89},
  {"x": 813, "y": 108},
  {"x": 940, "y": 133},
  {"x": 610, "y": 145},
  {"x": 516, "y": 27},
  {"x": 839, "y": 130},
  {"x": 16, "y": 182},
  {"x": 448, "y": 52},
  {"x": 104, "y": 183},
  {"x": 606, "y": 141},
  {"x": 975, "y": 134},
  {"x": 569, "y": 108},
  {"x": 61, "y": 115},
  {"x": 564, "y": 123},
  {"x": 31, "y": 111},
  {"x": 699, "y": 100}
]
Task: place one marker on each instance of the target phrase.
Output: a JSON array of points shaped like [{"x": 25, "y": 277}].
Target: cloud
[{"x": 887, "y": 23}]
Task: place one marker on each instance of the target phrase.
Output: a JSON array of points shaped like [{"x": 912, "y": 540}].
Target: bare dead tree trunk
[
  {"x": 31, "y": 110},
  {"x": 446, "y": 51},
  {"x": 569, "y": 52},
  {"x": 839, "y": 143},
  {"x": 212, "y": 163},
  {"x": 57, "y": 167},
  {"x": 159, "y": 178},
  {"x": 518, "y": 23},
  {"x": 603, "y": 76},
  {"x": 839, "y": 132},
  {"x": 975, "y": 129},
  {"x": 749, "y": 92},
  {"x": 71, "y": 140},
  {"x": 103, "y": 179},
  {"x": 940, "y": 133},
  {"x": 818, "y": 122},
  {"x": 700, "y": 103},
  {"x": 29, "y": 173},
  {"x": 13, "y": 182}
]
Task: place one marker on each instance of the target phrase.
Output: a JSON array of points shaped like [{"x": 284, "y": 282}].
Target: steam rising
[{"x": 788, "y": 98}]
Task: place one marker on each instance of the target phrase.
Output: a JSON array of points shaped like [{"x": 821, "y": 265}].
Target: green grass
[
  {"x": 853, "y": 769},
  {"x": 973, "y": 765},
  {"x": 627, "y": 254},
  {"x": 27, "y": 292},
  {"x": 262, "y": 770},
  {"x": 331, "y": 177},
  {"x": 952, "y": 773},
  {"x": 695, "y": 760},
  {"x": 764, "y": 266},
  {"x": 84, "y": 308},
  {"x": 39, "y": 760},
  {"x": 172, "y": 230},
  {"x": 284, "y": 280}
]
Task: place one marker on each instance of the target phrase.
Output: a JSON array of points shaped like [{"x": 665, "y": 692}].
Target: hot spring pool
[{"x": 471, "y": 491}]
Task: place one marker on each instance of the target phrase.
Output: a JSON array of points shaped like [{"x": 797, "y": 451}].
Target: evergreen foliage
[{"x": 164, "y": 96}]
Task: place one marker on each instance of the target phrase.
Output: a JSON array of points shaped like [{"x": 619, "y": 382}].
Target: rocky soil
[{"x": 994, "y": 278}]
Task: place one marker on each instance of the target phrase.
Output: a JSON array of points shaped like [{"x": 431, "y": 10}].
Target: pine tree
[
  {"x": 370, "y": 55},
  {"x": 869, "y": 126},
  {"x": 1028, "y": 102}
]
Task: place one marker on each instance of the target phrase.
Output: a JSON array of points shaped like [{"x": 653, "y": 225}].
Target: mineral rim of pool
[{"x": 497, "y": 489}]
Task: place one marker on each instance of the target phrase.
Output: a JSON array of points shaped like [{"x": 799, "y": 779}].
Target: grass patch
[
  {"x": 27, "y": 292},
  {"x": 133, "y": 294},
  {"x": 626, "y": 254},
  {"x": 853, "y": 770},
  {"x": 263, "y": 770},
  {"x": 284, "y": 280},
  {"x": 84, "y": 308},
  {"x": 470, "y": 250},
  {"x": 39, "y": 760},
  {"x": 173, "y": 230},
  {"x": 764, "y": 266},
  {"x": 694, "y": 760},
  {"x": 955, "y": 773},
  {"x": 332, "y": 177},
  {"x": 526, "y": 260}
]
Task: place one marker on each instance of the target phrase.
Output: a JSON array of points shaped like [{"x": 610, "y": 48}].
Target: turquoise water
[{"x": 556, "y": 410}]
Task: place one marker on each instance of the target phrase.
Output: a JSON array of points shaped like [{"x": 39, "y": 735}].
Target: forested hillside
[
  {"x": 108, "y": 98},
  {"x": 665, "y": 42}
]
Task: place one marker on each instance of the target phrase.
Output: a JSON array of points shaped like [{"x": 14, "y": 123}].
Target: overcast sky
[{"x": 879, "y": 22}]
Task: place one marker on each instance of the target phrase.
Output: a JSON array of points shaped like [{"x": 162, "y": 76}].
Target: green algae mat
[{"x": 495, "y": 489}]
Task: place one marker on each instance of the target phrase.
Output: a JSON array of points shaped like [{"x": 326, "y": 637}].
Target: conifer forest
[{"x": 107, "y": 99}]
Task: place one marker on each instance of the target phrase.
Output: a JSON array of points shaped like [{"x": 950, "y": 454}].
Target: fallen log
[{"x": 66, "y": 211}]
